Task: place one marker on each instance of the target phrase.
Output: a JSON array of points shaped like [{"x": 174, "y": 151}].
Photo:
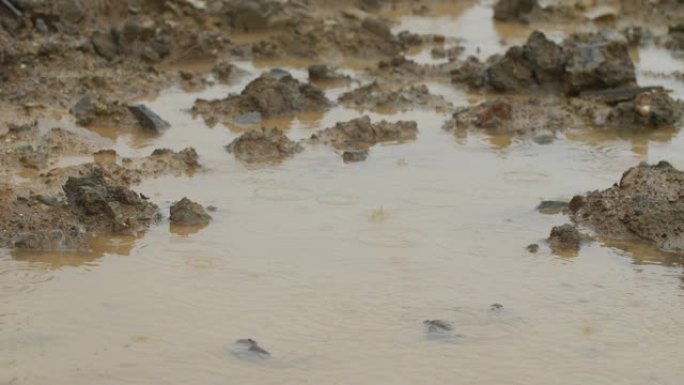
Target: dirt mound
[
  {"x": 273, "y": 94},
  {"x": 263, "y": 145},
  {"x": 374, "y": 97},
  {"x": 646, "y": 205},
  {"x": 361, "y": 134}
]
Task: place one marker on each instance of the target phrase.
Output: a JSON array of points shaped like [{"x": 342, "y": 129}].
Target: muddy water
[{"x": 333, "y": 267}]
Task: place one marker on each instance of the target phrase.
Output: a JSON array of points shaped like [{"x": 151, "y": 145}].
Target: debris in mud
[
  {"x": 552, "y": 207},
  {"x": 275, "y": 93},
  {"x": 105, "y": 208},
  {"x": 647, "y": 205},
  {"x": 565, "y": 239},
  {"x": 354, "y": 156},
  {"x": 437, "y": 326},
  {"x": 263, "y": 145},
  {"x": 496, "y": 307},
  {"x": 373, "y": 97},
  {"x": 148, "y": 120},
  {"x": 360, "y": 133},
  {"x": 248, "y": 347},
  {"x": 514, "y": 10},
  {"x": 188, "y": 213}
]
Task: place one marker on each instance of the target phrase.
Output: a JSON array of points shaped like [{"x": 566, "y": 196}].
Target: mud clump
[
  {"x": 647, "y": 205},
  {"x": 99, "y": 112},
  {"x": 104, "y": 208},
  {"x": 374, "y": 97},
  {"x": 263, "y": 145},
  {"x": 514, "y": 10},
  {"x": 505, "y": 116},
  {"x": 565, "y": 238},
  {"x": 360, "y": 133},
  {"x": 651, "y": 109},
  {"x": 188, "y": 213},
  {"x": 273, "y": 94}
]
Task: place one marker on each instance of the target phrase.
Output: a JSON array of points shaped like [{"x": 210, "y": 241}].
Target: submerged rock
[
  {"x": 270, "y": 95},
  {"x": 263, "y": 145},
  {"x": 360, "y": 133},
  {"x": 552, "y": 207},
  {"x": 565, "y": 237},
  {"x": 647, "y": 205},
  {"x": 188, "y": 213},
  {"x": 437, "y": 326}
]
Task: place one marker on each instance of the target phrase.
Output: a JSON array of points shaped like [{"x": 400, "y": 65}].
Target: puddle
[{"x": 334, "y": 267}]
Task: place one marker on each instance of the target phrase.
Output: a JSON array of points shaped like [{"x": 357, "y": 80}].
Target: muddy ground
[{"x": 93, "y": 63}]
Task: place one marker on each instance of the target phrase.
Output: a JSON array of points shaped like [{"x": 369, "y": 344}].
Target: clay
[
  {"x": 270, "y": 95},
  {"x": 188, "y": 213},
  {"x": 360, "y": 133},
  {"x": 263, "y": 145},
  {"x": 374, "y": 97},
  {"x": 646, "y": 205}
]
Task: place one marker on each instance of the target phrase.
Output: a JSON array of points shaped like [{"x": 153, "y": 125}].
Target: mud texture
[
  {"x": 263, "y": 145},
  {"x": 188, "y": 213},
  {"x": 360, "y": 133},
  {"x": 646, "y": 205},
  {"x": 374, "y": 97},
  {"x": 275, "y": 93}
]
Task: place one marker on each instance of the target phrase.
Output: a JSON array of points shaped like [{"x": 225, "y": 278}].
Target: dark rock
[
  {"x": 188, "y": 213},
  {"x": 514, "y": 10},
  {"x": 510, "y": 73},
  {"x": 532, "y": 248},
  {"x": 602, "y": 63},
  {"x": 552, "y": 207},
  {"x": 148, "y": 120},
  {"x": 263, "y": 145},
  {"x": 354, "y": 156}
]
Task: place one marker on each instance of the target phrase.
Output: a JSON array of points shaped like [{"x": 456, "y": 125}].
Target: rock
[
  {"x": 251, "y": 347},
  {"x": 647, "y": 206},
  {"x": 325, "y": 72},
  {"x": 148, "y": 120},
  {"x": 514, "y": 10},
  {"x": 354, "y": 156},
  {"x": 227, "y": 73},
  {"x": 532, "y": 248},
  {"x": 263, "y": 145},
  {"x": 565, "y": 237},
  {"x": 377, "y": 27},
  {"x": 272, "y": 94},
  {"x": 602, "y": 63},
  {"x": 360, "y": 133},
  {"x": 104, "y": 45},
  {"x": 105, "y": 208},
  {"x": 496, "y": 307},
  {"x": 650, "y": 109},
  {"x": 50, "y": 240},
  {"x": 188, "y": 213},
  {"x": 511, "y": 72},
  {"x": 552, "y": 207},
  {"x": 437, "y": 326}
]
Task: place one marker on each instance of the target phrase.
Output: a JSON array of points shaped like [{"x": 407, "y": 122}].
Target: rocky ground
[{"x": 91, "y": 62}]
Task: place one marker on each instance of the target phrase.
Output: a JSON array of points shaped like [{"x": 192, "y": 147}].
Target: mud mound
[
  {"x": 374, "y": 97},
  {"x": 360, "y": 133},
  {"x": 647, "y": 205},
  {"x": 273, "y": 94},
  {"x": 263, "y": 145}
]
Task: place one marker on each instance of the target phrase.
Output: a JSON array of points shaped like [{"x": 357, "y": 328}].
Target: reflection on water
[{"x": 335, "y": 267}]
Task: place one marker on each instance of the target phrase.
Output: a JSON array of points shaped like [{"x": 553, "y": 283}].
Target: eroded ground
[{"x": 351, "y": 185}]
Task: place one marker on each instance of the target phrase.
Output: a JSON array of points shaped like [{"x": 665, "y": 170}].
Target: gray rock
[
  {"x": 188, "y": 213},
  {"x": 148, "y": 120}
]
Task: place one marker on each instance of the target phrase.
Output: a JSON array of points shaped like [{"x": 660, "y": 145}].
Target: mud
[
  {"x": 645, "y": 205},
  {"x": 263, "y": 145},
  {"x": 273, "y": 94},
  {"x": 374, "y": 97}
]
